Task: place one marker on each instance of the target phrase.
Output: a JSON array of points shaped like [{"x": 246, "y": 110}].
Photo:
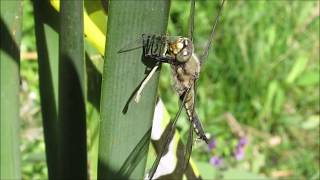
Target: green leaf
[
  {"x": 271, "y": 93},
  {"x": 125, "y": 123},
  {"x": 298, "y": 67},
  {"x": 309, "y": 78},
  {"x": 279, "y": 100},
  {"x": 10, "y": 23},
  {"x": 72, "y": 158},
  {"x": 97, "y": 12},
  {"x": 46, "y": 29}
]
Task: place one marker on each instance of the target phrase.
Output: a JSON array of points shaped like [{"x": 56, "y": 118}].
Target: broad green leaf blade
[
  {"x": 10, "y": 23},
  {"x": 46, "y": 27},
  {"x": 72, "y": 115},
  {"x": 124, "y": 123}
]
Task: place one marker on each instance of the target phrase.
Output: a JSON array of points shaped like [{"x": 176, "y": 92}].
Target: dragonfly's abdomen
[
  {"x": 185, "y": 76},
  {"x": 193, "y": 117}
]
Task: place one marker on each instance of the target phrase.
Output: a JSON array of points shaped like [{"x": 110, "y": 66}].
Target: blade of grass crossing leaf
[
  {"x": 46, "y": 27},
  {"x": 123, "y": 122},
  {"x": 10, "y": 23},
  {"x": 72, "y": 115}
]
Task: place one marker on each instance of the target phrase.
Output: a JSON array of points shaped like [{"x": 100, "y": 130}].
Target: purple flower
[
  {"x": 239, "y": 153},
  {"x": 242, "y": 141},
  {"x": 240, "y": 148},
  {"x": 212, "y": 144},
  {"x": 216, "y": 161}
]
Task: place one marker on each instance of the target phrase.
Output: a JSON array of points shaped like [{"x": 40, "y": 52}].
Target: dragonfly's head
[{"x": 181, "y": 48}]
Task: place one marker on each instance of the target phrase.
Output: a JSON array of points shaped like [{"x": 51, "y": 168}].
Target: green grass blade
[
  {"x": 94, "y": 79},
  {"x": 10, "y": 23},
  {"x": 72, "y": 115},
  {"x": 46, "y": 27},
  {"x": 125, "y": 123}
]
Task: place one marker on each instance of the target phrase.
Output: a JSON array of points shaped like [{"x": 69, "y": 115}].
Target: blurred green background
[{"x": 262, "y": 75}]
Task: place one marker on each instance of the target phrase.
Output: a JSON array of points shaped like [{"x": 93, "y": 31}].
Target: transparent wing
[
  {"x": 204, "y": 56},
  {"x": 136, "y": 44},
  {"x": 191, "y": 20},
  {"x": 167, "y": 138}
]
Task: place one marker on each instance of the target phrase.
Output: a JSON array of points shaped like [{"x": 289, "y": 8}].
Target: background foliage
[{"x": 263, "y": 70}]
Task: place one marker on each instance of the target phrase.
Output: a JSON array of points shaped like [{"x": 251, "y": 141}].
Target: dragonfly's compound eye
[
  {"x": 179, "y": 45},
  {"x": 181, "y": 49},
  {"x": 186, "y": 51}
]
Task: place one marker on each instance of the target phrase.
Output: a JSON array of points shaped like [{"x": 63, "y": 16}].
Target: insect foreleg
[
  {"x": 145, "y": 81},
  {"x": 162, "y": 59}
]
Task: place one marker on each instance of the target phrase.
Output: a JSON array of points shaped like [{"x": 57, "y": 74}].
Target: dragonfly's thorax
[
  {"x": 186, "y": 73},
  {"x": 181, "y": 48}
]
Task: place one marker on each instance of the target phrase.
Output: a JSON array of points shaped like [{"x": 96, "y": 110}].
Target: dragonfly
[{"x": 179, "y": 52}]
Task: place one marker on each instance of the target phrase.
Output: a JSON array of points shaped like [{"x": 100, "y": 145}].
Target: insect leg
[
  {"x": 167, "y": 139},
  {"x": 191, "y": 20},
  {"x": 162, "y": 59},
  {"x": 146, "y": 44},
  {"x": 145, "y": 81},
  {"x": 208, "y": 46},
  {"x": 188, "y": 151}
]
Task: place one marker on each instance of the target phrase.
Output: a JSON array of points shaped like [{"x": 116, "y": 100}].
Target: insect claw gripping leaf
[{"x": 204, "y": 56}]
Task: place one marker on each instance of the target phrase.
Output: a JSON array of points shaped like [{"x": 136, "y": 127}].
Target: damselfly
[{"x": 178, "y": 51}]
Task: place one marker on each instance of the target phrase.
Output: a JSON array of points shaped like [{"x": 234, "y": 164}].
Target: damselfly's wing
[
  {"x": 204, "y": 56},
  {"x": 167, "y": 138}
]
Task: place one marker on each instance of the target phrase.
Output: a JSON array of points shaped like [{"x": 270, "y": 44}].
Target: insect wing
[
  {"x": 167, "y": 138},
  {"x": 136, "y": 44}
]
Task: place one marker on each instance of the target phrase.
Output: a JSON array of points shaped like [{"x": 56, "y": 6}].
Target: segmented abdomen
[{"x": 192, "y": 115}]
